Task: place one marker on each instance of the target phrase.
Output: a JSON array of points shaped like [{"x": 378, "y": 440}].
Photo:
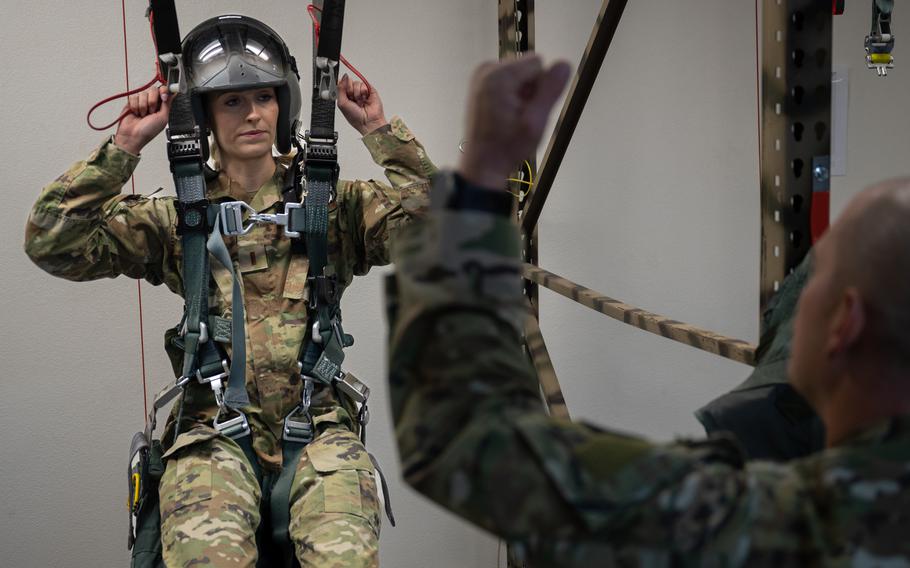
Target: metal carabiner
[{"x": 232, "y": 218}]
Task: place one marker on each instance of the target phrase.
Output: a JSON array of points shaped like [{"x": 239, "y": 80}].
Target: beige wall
[{"x": 656, "y": 204}]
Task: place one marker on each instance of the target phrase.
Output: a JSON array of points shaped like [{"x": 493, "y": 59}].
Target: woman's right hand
[{"x": 147, "y": 114}]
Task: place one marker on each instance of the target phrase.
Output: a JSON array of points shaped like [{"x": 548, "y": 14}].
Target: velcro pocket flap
[
  {"x": 198, "y": 434},
  {"x": 338, "y": 450}
]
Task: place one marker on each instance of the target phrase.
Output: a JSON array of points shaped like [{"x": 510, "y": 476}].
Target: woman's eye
[
  {"x": 230, "y": 102},
  {"x": 265, "y": 97}
]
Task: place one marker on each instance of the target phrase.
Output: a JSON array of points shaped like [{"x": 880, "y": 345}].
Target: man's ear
[{"x": 848, "y": 324}]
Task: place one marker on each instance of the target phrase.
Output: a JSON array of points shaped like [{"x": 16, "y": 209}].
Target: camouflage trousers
[{"x": 210, "y": 505}]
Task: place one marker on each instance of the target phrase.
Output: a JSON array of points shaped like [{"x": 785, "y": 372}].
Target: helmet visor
[{"x": 234, "y": 54}]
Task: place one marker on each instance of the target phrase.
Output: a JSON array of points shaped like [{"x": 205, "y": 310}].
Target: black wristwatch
[{"x": 466, "y": 195}]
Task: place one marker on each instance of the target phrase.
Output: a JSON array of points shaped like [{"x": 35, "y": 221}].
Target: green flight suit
[
  {"x": 769, "y": 419},
  {"x": 474, "y": 436}
]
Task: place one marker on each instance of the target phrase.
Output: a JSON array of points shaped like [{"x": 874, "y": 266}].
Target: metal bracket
[
  {"x": 352, "y": 387},
  {"x": 233, "y": 428},
  {"x": 174, "y": 73},
  {"x": 301, "y": 431},
  {"x": 225, "y": 373},
  {"x": 328, "y": 78},
  {"x": 232, "y": 218}
]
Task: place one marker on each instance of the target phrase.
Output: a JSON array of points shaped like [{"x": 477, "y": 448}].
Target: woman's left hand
[{"x": 360, "y": 105}]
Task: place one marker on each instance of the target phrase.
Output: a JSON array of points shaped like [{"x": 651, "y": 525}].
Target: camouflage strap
[
  {"x": 733, "y": 349},
  {"x": 546, "y": 374}
]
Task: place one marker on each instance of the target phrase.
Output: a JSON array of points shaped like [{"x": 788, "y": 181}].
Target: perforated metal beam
[{"x": 795, "y": 145}]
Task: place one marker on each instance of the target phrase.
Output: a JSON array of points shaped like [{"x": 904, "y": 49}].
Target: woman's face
[{"x": 244, "y": 122}]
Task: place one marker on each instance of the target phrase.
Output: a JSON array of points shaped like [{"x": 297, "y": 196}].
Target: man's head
[{"x": 852, "y": 328}]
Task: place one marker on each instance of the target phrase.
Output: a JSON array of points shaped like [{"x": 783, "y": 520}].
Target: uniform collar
[
  {"x": 894, "y": 428},
  {"x": 267, "y": 196}
]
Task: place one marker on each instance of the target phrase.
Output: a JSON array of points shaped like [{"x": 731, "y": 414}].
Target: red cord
[
  {"x": 157, "y": 78},
  {"x": 311, "y": 10},
  {"x": 126, "y": 68}
]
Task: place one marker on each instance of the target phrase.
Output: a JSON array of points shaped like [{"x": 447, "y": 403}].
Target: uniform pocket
[
  {"x": 345, "y": 472},
  {"x": 187, "y": 478}
]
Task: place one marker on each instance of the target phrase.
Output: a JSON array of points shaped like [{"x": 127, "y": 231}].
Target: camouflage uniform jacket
[
  {"x": 83, "y": 228},
  {"x": 473, "y": 436}
]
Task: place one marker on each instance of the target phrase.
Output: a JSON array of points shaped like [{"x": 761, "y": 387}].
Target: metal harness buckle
[
  {"x": 328, "y": 78},
  {"x": 352, "y": 387},
  {"x": 233, "y": 428},
  {"x": 232, "y": 218},
  {"x": 225, "y": 372},
  {"x": 301, "y": 431},
  {"x": 174, "y": 72}
]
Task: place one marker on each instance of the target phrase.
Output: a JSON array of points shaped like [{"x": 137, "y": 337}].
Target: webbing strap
[
  {"x": 195, "y": 272},
  {"x": 328, "y": 366},
  {"x": 319, "y": 191},
  {"x": 321, "y": 172},
  {"x": 325, "y": 69},
  {"x": 185, "y": 157},
  {"x": 280, "y": 500},
  {"x": 235, "y": 396}
]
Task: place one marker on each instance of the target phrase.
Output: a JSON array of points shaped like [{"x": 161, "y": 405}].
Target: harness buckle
[
  {"x": 225, "y": 373},
  {"x": 174, "y": 72},
  {"x": 352, "y": 387},
  {"x": 184, "y": 146},
  {"x": 232, "y": 218},
  {"x": 301, "y": 431},
  {"x": 233, "y": 428},
  {"x": 203, "y": 331},
  {"x": 328, "y": 78},
  {"x": 289, "y": 216}
]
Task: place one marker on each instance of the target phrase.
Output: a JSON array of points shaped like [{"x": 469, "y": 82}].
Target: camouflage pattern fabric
[
  {"x": 769, "y": 419},
  {"x": 474, "y": 437},
  {"x": 82, "y": 228},
  {"x": 211, "y": 503}
]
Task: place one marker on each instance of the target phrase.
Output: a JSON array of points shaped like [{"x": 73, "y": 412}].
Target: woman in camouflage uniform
[{"x": 82, "y": 228}]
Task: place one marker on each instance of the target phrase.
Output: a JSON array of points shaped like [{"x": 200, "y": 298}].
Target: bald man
[{"x": 474, "y": 436}]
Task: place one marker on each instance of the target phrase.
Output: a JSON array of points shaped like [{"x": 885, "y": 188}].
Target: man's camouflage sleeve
[
  {"x": 371, "y": 212},
  {"x": 474, "y": 436},
  {"x": 82, "y": 228}
]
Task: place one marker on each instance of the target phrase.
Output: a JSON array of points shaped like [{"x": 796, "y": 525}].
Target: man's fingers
[
  {"x": 523, "y": 69},
  {"x": 551, "y": 84}
]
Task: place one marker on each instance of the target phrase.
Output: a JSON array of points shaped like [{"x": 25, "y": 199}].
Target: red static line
[
  {"x": 126, "y": 64},
  {"x": 157, "y": 78},
  {"x": 311, "y": 10}
]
